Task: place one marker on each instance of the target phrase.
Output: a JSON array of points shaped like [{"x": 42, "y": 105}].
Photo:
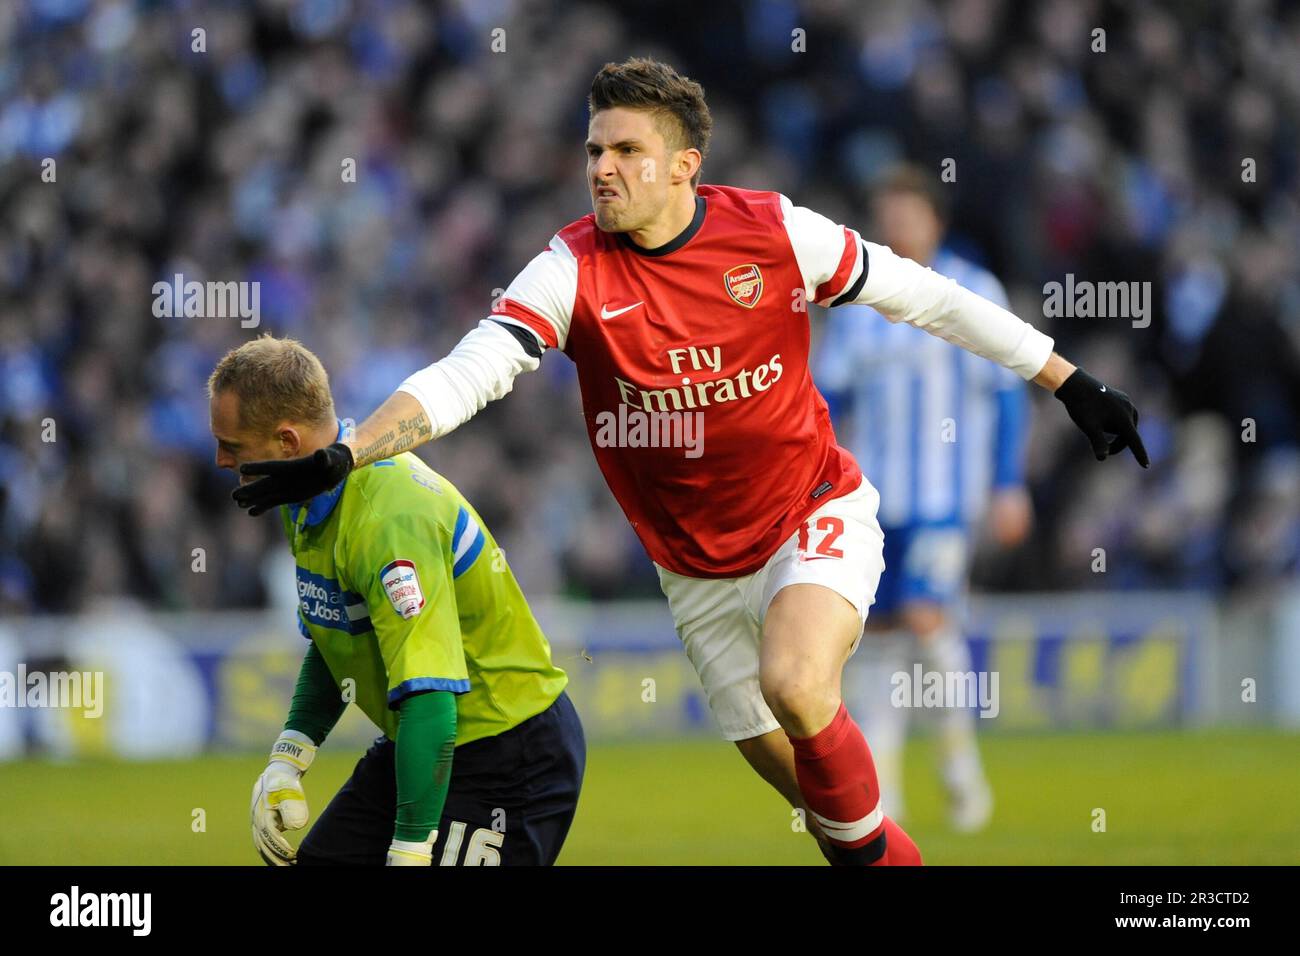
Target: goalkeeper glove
[
  {"x": 279, "y": 803},
  {"x": 293, "y": 480},
  {"x": 1099, "y": 411},
  {"x": 406, "y": 853}
]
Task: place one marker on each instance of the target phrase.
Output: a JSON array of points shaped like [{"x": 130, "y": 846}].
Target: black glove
[
  {"x": 292, "y": 480},
  {"x": 1099, "y": 411}
]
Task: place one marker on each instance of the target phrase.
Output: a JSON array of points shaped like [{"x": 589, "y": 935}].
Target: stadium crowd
[{"x": 1169, "y": 156}]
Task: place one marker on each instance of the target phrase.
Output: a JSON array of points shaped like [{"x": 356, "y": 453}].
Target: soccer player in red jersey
[{"x": 684, "y": 308}]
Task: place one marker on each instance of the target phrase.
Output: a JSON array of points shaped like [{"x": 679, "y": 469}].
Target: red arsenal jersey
[{"x": 693, "y": 364}]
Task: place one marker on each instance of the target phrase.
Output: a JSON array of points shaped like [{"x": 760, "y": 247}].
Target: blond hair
[{"x": 276, "y": 380}]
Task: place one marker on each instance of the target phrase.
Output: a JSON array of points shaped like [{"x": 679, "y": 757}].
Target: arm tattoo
[{"x": 409, "y": 433}]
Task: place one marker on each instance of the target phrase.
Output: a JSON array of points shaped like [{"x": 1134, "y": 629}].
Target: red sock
[
  {"x": 837, "y": 779},
  {"x": 899, "y": 848}
]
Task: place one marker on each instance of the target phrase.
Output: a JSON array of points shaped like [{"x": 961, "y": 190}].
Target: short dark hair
[
  {"x": 910, "y": 178},
  {"x": 644, "y": 84}
]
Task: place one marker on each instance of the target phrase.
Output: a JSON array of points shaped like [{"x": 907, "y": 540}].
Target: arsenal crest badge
[{"x": 744, "y": 284}]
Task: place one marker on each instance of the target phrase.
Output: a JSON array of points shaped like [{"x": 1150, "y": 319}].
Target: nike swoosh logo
[
  {"x": 606, "y": 314},
  {"x": 1103, "y": 388}
]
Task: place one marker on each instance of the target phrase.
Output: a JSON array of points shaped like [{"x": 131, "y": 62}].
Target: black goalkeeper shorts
[{"x": 511, "y": 800}]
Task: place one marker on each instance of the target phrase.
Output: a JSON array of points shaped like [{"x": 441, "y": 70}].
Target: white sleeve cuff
[
  {"x": 418, "y": 386},
  {"x": 1031, "y": 354},
  {"x": 481, "y": 368}
]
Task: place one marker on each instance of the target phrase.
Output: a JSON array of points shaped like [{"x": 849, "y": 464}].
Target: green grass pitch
[{"x": 1224, "y": 797}]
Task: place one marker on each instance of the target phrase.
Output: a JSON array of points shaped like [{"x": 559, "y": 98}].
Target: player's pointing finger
[{"x": 1135, "y": 442}]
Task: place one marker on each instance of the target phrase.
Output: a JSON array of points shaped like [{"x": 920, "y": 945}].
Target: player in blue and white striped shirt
[{"x": 940, "y": 434}]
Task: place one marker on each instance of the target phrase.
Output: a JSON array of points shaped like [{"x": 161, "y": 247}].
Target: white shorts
[{"x": 720, "y": 620}]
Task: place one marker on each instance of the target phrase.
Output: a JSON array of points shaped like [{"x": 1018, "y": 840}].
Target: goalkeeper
[{"x": 412, "y": 613}]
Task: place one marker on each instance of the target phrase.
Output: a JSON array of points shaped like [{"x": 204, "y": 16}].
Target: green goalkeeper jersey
[{"x": 403, "y": 590}]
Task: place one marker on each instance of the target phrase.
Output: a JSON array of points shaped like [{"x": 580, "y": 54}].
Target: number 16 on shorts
[{"x": 483, "y": 849}]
